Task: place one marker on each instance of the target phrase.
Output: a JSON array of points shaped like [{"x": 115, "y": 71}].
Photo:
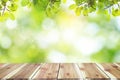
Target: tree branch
[{"x": 3, "y": 10}]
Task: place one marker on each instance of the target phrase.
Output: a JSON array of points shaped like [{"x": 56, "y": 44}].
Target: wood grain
[
  {"x": 25, "y": 72},
  {"x": 112, "y": 70},
  {"x": 7, "y": 69},
  {"x": 1, "y": 65},
  {"x": 69, "y": 71},
  {"x": 91, "y": 71},
  {"x": 47, "y": 71}
]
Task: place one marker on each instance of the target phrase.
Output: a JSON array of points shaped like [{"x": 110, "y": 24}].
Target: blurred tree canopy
[{"x": 84, "y": 7}]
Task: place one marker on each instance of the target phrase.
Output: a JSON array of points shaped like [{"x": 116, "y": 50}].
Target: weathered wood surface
[{"x": 60, "y": 71}]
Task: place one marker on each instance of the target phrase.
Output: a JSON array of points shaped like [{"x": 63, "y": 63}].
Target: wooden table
[{"x": 60, "y": 71}]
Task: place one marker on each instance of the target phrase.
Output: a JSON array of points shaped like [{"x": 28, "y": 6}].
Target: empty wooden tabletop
[{"x": 60, "y": 71}]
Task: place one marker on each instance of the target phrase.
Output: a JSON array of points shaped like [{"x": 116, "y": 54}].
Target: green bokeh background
[{"x": 34, "y": 37}]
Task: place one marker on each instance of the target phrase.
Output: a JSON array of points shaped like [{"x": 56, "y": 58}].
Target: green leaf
[
  {"x": 24, "y": 2},
  {"x": 78, "y": 10},
  {"x": 13, "y": 7},
  {"x": 35, "y": 2},
  {"x": 48, "y": 12},
  {"x": 78, "y": 2},
  {"x": 56, "y": 4},
  {"x": 72, "y": 6},
  {"x": 15, "y": 0},
  {"x": 100, "y": 5},
  {"x": 12, "y": 16},
  {"x": 91, "y": 9},
  {"x": 4, "y": 17},
  {"x": 4, "y": 1},
  {"x": 64, "y": 1},
  {"x": 85, "y": 12},
  {"x": 0, "y": 7},
  {"x": 115, "y": 12}
]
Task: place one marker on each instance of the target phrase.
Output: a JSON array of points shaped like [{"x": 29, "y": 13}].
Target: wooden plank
[
  {"x": 7, "y": 69},
  {"x": 63, "y": 71},
  {"x": 1, "y": 65},
  {"x": 26, "y": 72},
  {"x": 48, "y": 71},
  {"x": 118, "y": 63},
  {"x": 112, "y": 70},
  {"x": 91, "y": 71},
  {"x": 115, "y": 65},
  {"x": 14, "y": 72},
  {"x": 69, "y": 71}
]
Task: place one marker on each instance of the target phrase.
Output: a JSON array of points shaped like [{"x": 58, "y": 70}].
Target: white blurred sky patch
[
  {"x": 56, "y": 56},
  {"x": 67, "y": 4},
  {"x": 117, "y": 57},
  {"x": 40, "y": 40},
  {"x": 87, "y": 45},
  {"x": 53, "y": 36},
  {"x": 118, "y": 23},
  {"x": 44, "y": 40},
  {"x": 27, "y": 8},
  {"x": 5, "y": 42},
  {"x": 69, "y": 35},
  {"x": 48, "y": 24},
  {"x": 91, "y": 29},
  {"x": 11, "y": 24}
]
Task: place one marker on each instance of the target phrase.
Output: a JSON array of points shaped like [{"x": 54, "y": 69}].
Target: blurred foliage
[{"x": 48, "y": 31}]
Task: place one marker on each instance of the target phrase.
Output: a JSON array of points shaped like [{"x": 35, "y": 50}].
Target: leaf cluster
[
  {"x": 85, "y": 7},
  {"x": 51, "y": 7},
  {"x": 7, "y": 7}
]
